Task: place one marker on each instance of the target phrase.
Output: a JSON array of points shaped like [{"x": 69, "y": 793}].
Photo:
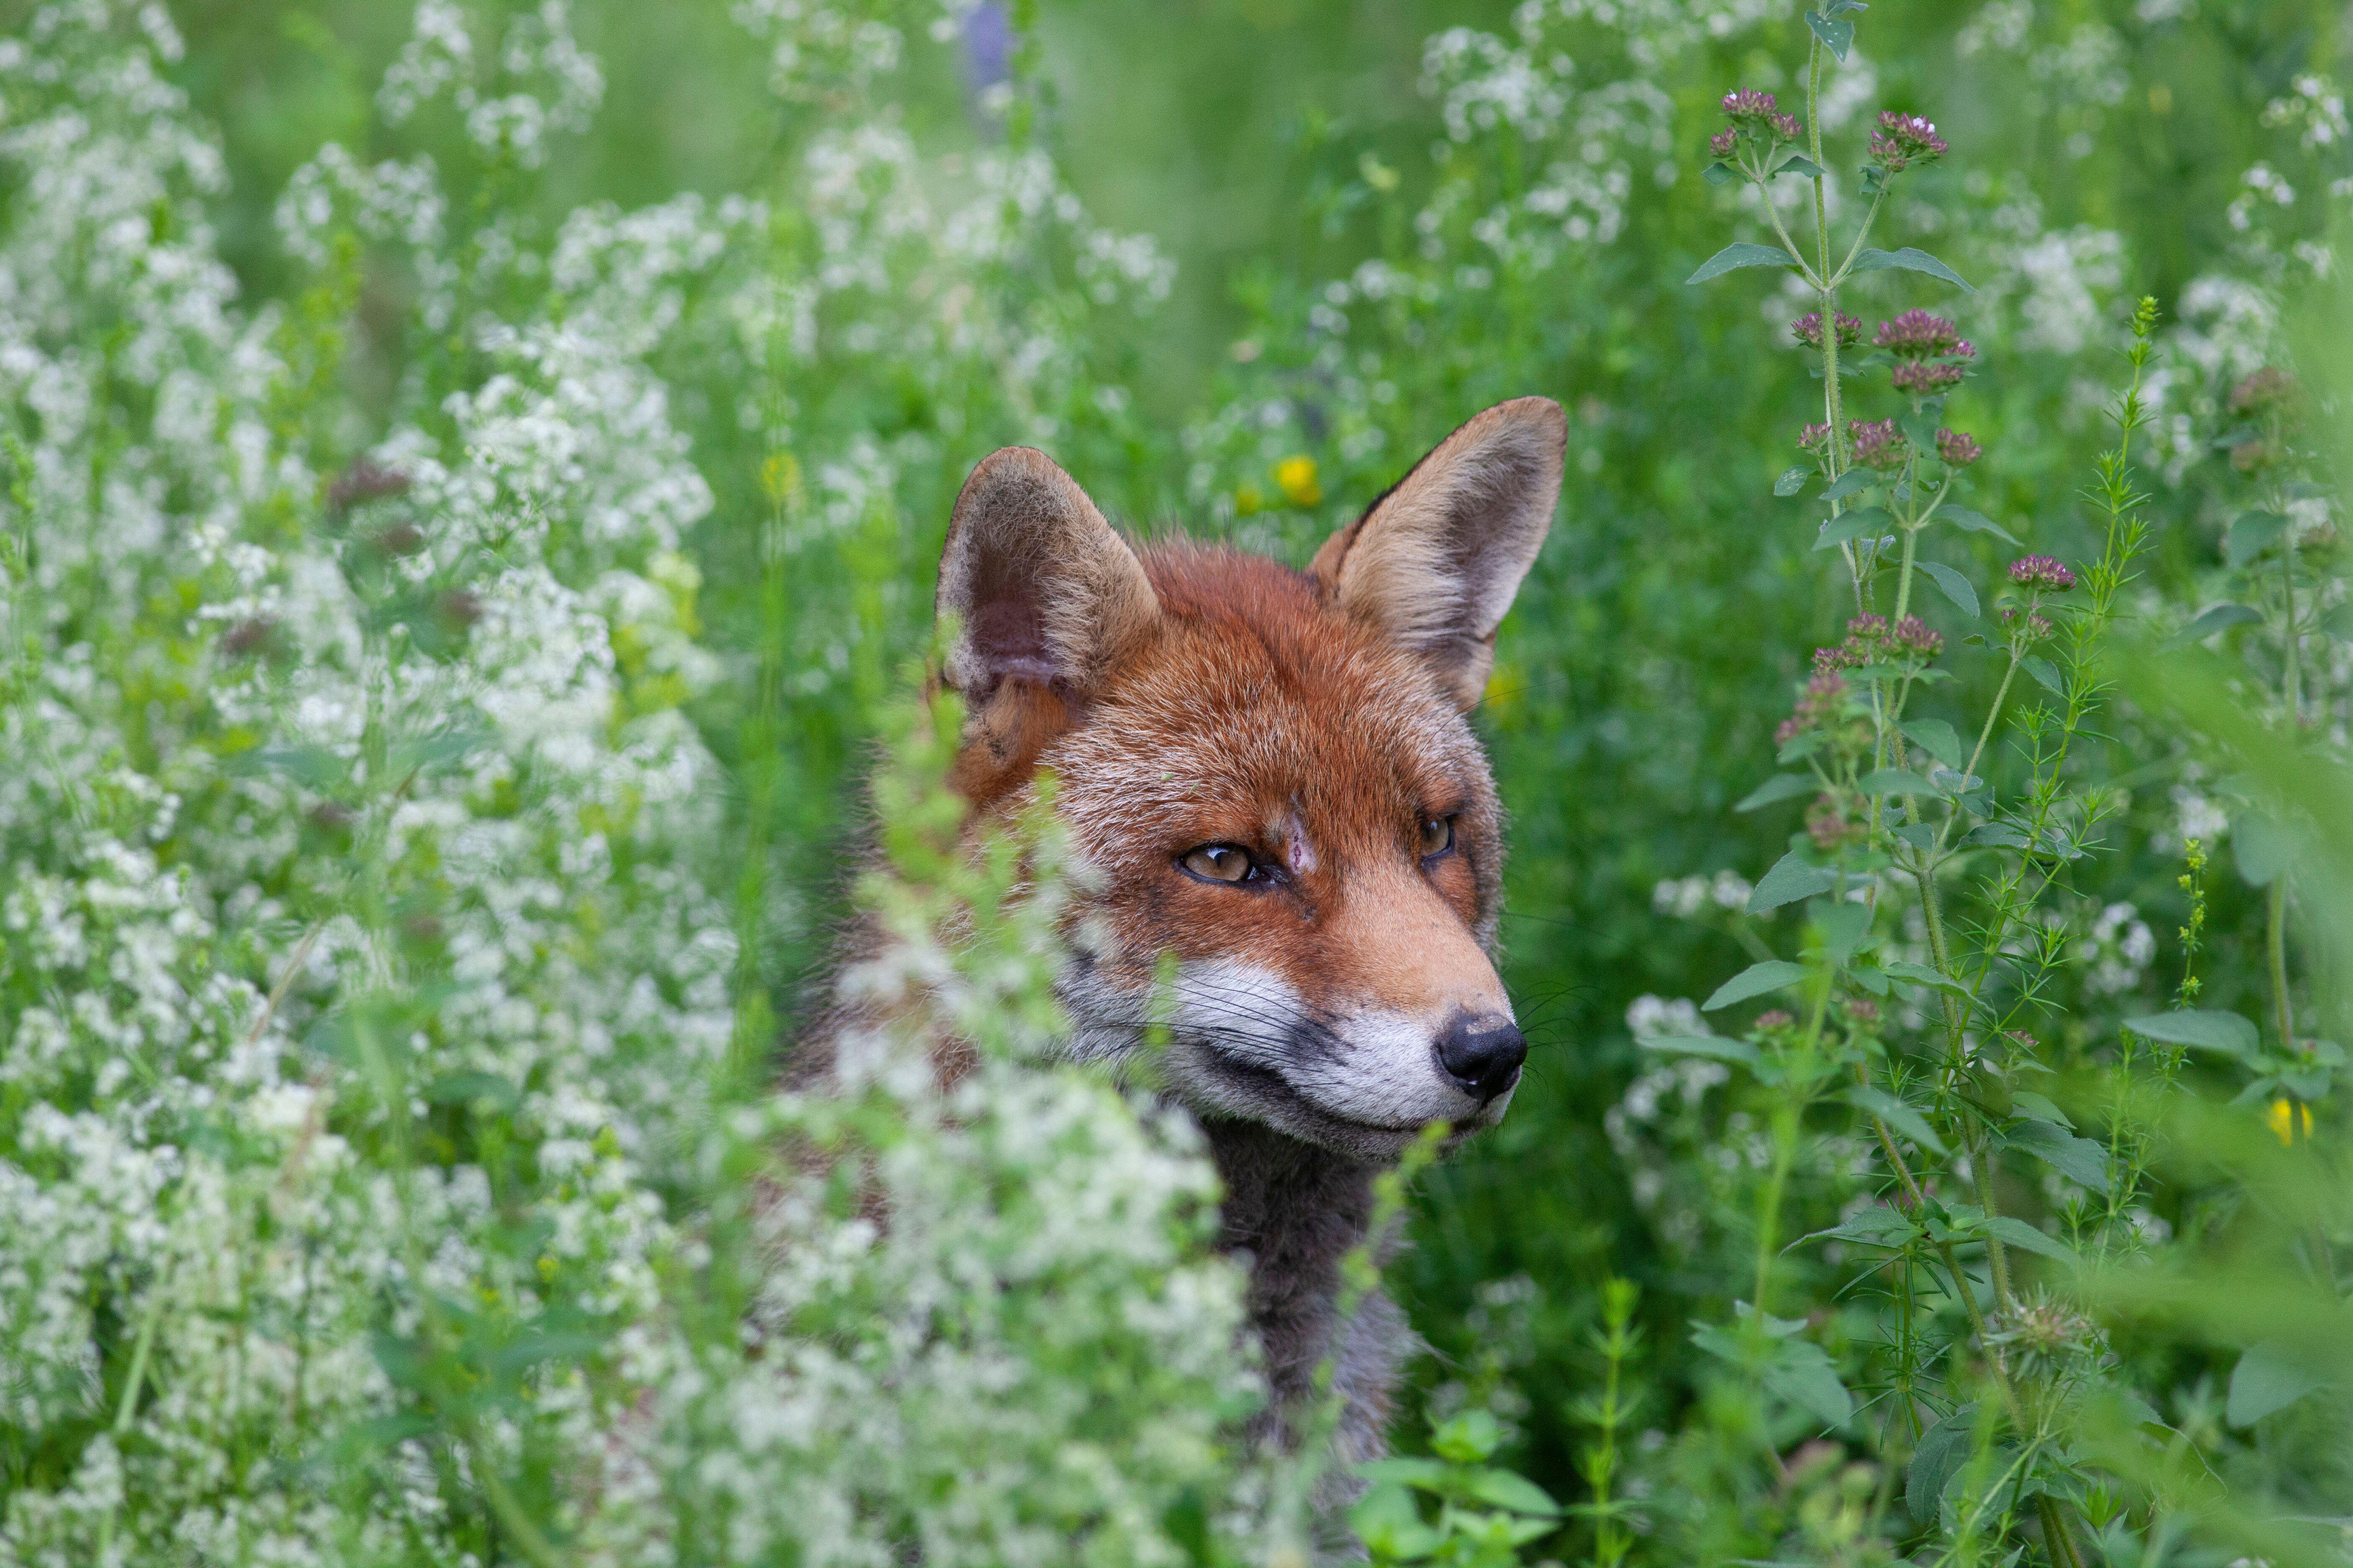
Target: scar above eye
[{"x": 1298, "y": 852}]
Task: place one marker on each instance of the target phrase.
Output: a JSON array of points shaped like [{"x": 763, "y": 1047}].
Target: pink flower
[
  {"x": 1916, "y": 334},
  {"x": 1957, "y": 449},
  {"x": 1912, "y": 635},
  {"x": 1812, "y": 436},
  {"x": 1878, "y": 443},
  {"x": 1921, "y": 379},
  {"x": 2041, "y": 571},
  {"x": 1808, "y": 330},
  {"x": 1902, "y": 140}
]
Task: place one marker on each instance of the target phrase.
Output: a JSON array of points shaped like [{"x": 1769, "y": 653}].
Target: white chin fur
[{"x": 1243, "y": 1041}]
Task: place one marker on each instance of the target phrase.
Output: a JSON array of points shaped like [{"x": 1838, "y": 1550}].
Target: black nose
[{"x": 1483, "y": 1054}]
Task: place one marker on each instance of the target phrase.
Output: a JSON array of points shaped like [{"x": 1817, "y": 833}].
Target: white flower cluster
[{"x": 370, "y": 1042}]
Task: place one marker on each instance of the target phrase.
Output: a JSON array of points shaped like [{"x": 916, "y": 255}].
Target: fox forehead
[{"x": 1262, "y": 714}]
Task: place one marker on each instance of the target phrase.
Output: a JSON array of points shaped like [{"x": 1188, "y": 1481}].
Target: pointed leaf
[
  {"x": 2017, "y": 1233},
  {"x": 1853, "y": 524},
  {"x": 1805, "y": 167},
  {"x": 1802, "y": 1374},
  {"x": 1790, "y": 879},
  {"x": 1970, "y": 522},
  {"x": 1737, "y": 255},
  {"x": 2209, "y": 622},
  {"x": 2200, "y": 1028},
  {"x": 1792, "y": 479},
  {"x": 1921, "y": 974},
  {"x": 1878, "y": 1226},
  {"x": 1898, "y": 1115},
  {"x": 2261, "y": 847},
  {"x": 1849, "y": 483},
  {"x": 1516, "y": 1492},
  {"x": 1835, "y": 32},
  {"x": 1780, "y": 786},
  {"x": 1941, "y": 1451},
  {"x": 1755, "y": 981},
  {"x": 1956, "y": 586},
  {"x": 1910, "y": 260},
  {"x": 1937, "y": 737},
  {"x": 1895, "y": 780},
  {"x": 2268, "y": 1378},
  {"x": 1721, "y": 174},
  {"x": 2252, "y": 532},
  {"x": 1738, "y": 1052},
  {"x": 2078, "y": 1159},
  {"x": 2046, "y": 675}
]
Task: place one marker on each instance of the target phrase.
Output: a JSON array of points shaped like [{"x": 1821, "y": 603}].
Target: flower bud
[
  {"x": 1808, "y": 330},
  {"x": 1903, "y": 140},
  {"x": 1878, "y": 443},
  {"x": 1911, "y": 635},
  {"x": 1958, "y": 449}
]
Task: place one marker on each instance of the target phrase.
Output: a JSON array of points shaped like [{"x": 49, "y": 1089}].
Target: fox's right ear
[{"x": 1041, "y": 589}]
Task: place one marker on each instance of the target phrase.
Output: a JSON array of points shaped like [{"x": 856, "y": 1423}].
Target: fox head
[{"x": 1269, "y": 773}]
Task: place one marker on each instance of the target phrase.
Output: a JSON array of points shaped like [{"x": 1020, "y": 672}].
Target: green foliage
[{"x": 455, "y": 577}]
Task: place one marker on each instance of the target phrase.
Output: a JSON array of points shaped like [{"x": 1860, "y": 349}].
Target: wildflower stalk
[{"x": 1598, "y": 1460}]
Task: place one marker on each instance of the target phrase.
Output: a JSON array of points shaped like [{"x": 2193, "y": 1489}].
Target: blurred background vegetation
[{"x": 2100, "y": 151}]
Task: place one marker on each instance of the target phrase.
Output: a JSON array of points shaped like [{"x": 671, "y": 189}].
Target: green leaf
[
  {"x": 2001, "y": 835},
  {"x": 2045, "y": 673},
  {"x": 1467, "y": 1438},
  {"x": 1804, "y": 167},
  {"x": 1389, "y": 1524},
  {"x": 2017, "y": 1233},
  {"x": 2209, "y": 622},
  {"x": 2338, "y": 621},
  {"x": 1921, "y": 974},
  {"x": 1937, "y": 737},
  {"x": 1792, "y": 479},
  {"x": 1896, "y": 780},
  {"x": 1790, "y": 879},
  {"x": 2079, "y": 1159},
  {"x": 1506, "y": 1489},
  {"x": 1842, "y": 927},
  {"x": 1878, "y": 1226},
  {"x": 1942, "y": 1450},
  {"x": 1970, "y": 522},
  {"x": 1755, "y": 981},
  {"x": 2262, "y": 848},
  {"x": 1851, "y": 482},
  {"x": 1737, "y": 255},
  {"x": 1910, "y": 260},
  {"x": 1802, "y": 1374},
  {"x": 1898, "y": 1115},
  {"x": 1836, "y": 34},
  {"x": 2267, "y": 1379},
  {"x": 1429, "y": 1474},
  {"x": 1721, "y": 174},
  {"x": 1955, "y": 588},
  {"x": 1780, "y": 786},
  {"x": 1853, "y": 524},
  {"x": 2028, "y": 1103},
  {"x": 2252, "y": 532},
  {"x": 1735, "y": 1051},
  {"x": 2200, "y": 1028}
]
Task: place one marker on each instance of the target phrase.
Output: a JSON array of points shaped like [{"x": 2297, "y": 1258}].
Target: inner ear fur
[
  {"x": 1435, "y": 563},
  {"x": 1040, "y": 587}
]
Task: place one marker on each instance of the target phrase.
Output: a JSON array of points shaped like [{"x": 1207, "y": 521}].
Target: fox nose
[{"x": 1483, "y": 1054}]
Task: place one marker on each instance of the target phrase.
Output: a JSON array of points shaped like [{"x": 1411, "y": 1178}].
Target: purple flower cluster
[
  {"x": 1917, "y": 335},
  {"x": 1878, "y": 443},
  {"x": 2041, "y": 571},
  {"x": 1829, "y": 827},
  {"x": 1755, "y": 115},
  {"x": 1903, "y": 140},
  {"x": 1958, "y": 449},
  {"x": 2265, "y": 390},
  {"x": 2038, "y": 625},
  {"x": 1811, "y": 437},
  {"x": 1911, "y": 635},
  {"x": 1808, "y": 328},
  {"x": 1819, "y": 705},
  {"x": 1919, "y": 379}
]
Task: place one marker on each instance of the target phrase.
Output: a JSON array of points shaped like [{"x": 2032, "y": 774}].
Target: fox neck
[{"x": 1297, "y": 1211}]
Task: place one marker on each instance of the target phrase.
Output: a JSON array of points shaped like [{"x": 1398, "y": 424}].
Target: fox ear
[
  {"x": 1041, "y": 588},
  {"x": 1435, "y": 562}
]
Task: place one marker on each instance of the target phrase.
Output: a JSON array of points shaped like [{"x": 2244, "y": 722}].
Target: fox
[{"x": 1292, "y": 837}]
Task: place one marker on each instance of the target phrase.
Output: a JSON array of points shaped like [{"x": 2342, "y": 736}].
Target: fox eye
[
  {"x": 1437, "y": 837},
  {"x": 1220, "y": 863}
]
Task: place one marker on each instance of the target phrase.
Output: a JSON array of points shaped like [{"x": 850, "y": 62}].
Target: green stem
[
  {"x": 2276, "y": 950},
  {"x": 1904, "y": 573}
]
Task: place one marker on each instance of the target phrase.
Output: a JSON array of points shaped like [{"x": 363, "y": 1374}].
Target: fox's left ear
[{"x": 1435, "y": 562}]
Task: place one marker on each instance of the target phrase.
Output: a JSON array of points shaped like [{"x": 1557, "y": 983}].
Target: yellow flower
[
  {"x": 780, "y": 478},
  {"x": 1297, "y": 476},
  {"x": 2282, "y": 1120}
]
